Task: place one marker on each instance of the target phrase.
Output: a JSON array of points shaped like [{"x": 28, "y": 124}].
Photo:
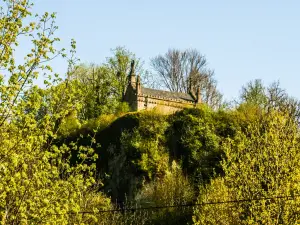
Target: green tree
[
  {"x": 98, "y": 91},
  {"x": 194, "y": 138},
  {"x": 119, "y": 67},
  {"x": 37, "y": 183},
  {"x": 171, "y": 189},
  {"x": 270, "y": 97},
  {"x": 142, "y": 154},
  {"x": 261, "y": 162},
  {"x": 103, "y": 86},
  {"x": 255, "y": 93}
]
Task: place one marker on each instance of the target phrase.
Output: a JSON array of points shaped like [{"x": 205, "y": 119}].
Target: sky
[{"x": 242, "y": 40}]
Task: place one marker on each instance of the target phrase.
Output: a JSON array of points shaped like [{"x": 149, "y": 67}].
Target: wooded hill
[{"x": 71, "y": 152}]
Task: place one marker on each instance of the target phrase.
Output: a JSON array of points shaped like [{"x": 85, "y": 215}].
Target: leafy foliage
[
  {"x": 195, "y": 138},
  {"x": 171, "y": 189},
  {"x": 140, "y": 156},
  {"x": 103, "y": 86},
  {"x": 65, "y": 145},
  {"x": 38, "y": 184},
  {"x": 271, "y": 97},
  {"x": 262, "y": 162}
]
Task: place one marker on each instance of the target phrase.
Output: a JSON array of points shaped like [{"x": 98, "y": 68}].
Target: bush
[
  {"x": 195, "y": 136},
  {"x": 261, "y": 162},
  {"x": 172, "y": 189},
  {"x": 140, "y": 155}
]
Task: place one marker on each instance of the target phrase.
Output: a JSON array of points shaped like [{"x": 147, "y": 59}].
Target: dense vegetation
[{"x": 73, "y": 153}]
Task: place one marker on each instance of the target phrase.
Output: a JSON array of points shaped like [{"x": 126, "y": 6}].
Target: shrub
[
  {"x": 261, "y": 162},
  {"x": 195, "y": 136},
  {"x": 170, "y": 190}
]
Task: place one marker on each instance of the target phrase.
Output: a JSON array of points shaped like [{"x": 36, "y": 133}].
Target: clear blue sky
[{"x": 242, "y": 40}]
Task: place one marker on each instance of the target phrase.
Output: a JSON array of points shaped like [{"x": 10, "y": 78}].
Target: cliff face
[{"x": 139, "y": 147}]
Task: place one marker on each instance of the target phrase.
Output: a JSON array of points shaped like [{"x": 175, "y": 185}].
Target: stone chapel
[{"x": 141, "y": 98}]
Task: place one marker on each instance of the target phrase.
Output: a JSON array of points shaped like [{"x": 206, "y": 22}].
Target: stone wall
[
  {"x": 138, "y": 100},
  {"x": 164, "y": 105},
  {"x": 131, "y": 98}
]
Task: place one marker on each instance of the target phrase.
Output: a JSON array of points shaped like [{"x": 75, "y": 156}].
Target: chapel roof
[{"x": 167, "y": 94}]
